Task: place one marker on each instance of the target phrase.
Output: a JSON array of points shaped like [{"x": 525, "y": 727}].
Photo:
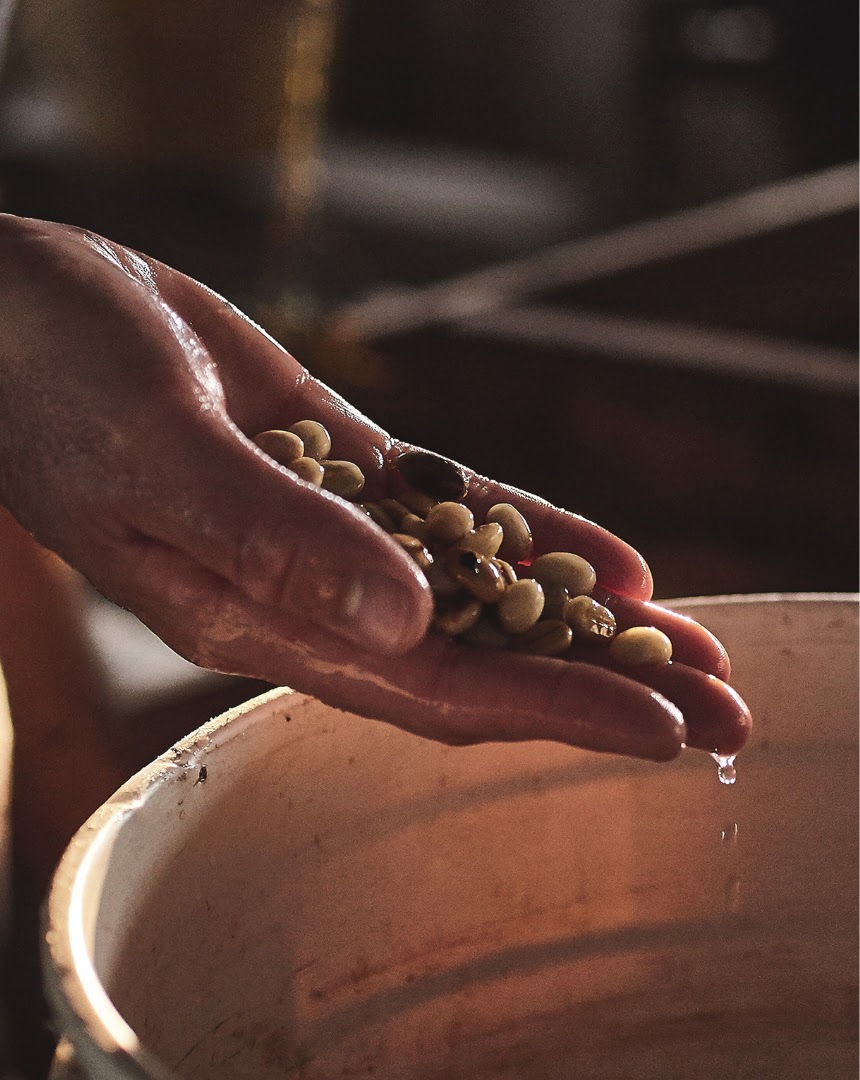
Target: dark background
[{"x": 458, "y": 135}]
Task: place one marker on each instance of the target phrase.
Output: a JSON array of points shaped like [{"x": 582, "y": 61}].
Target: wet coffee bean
[
  {"x": 477, "y": 574},
  {"x": 413, "y": 546},
  {"x": 342, "y": 478},
  {"x": 556, "y": 599},
  {"x": 316, "y": 439},
  {"x": 413, "y": 525},
  {"x": 507, "y": 571},
  {"x": 307, "y": 468},
  {"x": 441, "y": 582},
  {"x": 485, "y": 540},
  {"x": 394, "y": 508},
  {"x": 282, "y": 446},
  {"x": 564, "y": 568},
  {"x": 375, "y": 512},
  {"x": 589, "y": 621},
  {"x": 457, "y": 615},
  {"x": 520, "y": 606},
  {"x": 485, "y": 634},
  {"x": 640, "y": 646},
  {"x": 549, "y": 637},
  {"x": 435, "y": 475},
  {"x": 517, "y": 543},
  {"x": 417, "y": 502},
  {"x": 450, "y": 521}
]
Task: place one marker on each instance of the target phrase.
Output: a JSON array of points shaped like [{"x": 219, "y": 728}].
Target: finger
[
  {"x": 692, "y": 644},
  {"x": 620, "y": 568},
  {"x": 279, "y": 540},
  {"x": 718, "y": 719},
  {"x": 461, "y": 695},
  {"x": 439, "y": 690}
]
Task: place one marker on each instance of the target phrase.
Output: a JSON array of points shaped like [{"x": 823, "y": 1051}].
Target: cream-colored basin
[{"x": 296, "y": 892}]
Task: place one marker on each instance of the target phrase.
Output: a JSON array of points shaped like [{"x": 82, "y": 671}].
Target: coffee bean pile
[{"x": 489, "y": 590}]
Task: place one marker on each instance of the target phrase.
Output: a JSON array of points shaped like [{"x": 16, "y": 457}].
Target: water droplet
[
  {"x": 732, "y": 894},
  {"x": 729, "y": 834},
  {"x": 727, "y": 771}
]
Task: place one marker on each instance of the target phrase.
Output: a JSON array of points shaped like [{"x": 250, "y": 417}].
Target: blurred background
[
  {"x": 639, "y": 202},
  {"x": 606, "y": 251}
]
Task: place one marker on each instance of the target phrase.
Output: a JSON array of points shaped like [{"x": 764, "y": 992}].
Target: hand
[{"x": 129, "y": 395}]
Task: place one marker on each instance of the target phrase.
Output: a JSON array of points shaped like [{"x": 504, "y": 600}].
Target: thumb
[{"x": 286, "y": 544}]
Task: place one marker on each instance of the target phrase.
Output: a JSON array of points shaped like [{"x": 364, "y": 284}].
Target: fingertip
[
  {"x": 695, "y": 645},
  {"x": 390, "y": 612},
  {"x": 734, "y": 733},
  {"x": 719, "y": 720},
  {"x": 646, "y": 584},
  {"x": 624, "y": 573},
  {"x": 314, "y": 555},
  {"x": 721, "y": 666},
  {"x": 610, "y": 712}
]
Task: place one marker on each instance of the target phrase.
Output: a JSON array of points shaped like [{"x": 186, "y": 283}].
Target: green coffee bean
[
  {"x": 485, "y": 540},
  {"x": 342, "y": 478},
  {"x": 540, "y": 614},
  {"x": 517, "y": 543},
  {"x": 520, "y": 606},
  {"x": 435, "y": 475},
  {"x": 417, "y": 501},
  {"x": 413, "y": 525},
  {"x": 640, "y": 646},
  {"x": 281, "y": 446},
  {"x": 477, "y": 574},
  {"x": 589, "y": 621},
  {"x": 440, "y": 581},
  {"x": 413, "y": 546},
  {"x": 315, "y": 437},
  {"x": 549, "y": 637},
  {"x": 375, "y": 512},
  {"x": 485, "y": 634},
  {"x": 556, "y": 599},
  {"x": 565, "y": 568},
  {"x": 307, "y": 468},
  {"x": 457, "y": 615},
  {"x": 450, "y": 521},
  {"x": 507, "y": 571},
  {"x": 394, "y": 508}
]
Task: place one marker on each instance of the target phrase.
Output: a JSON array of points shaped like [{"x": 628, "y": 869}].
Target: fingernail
[{"x": 379, "y": 612}]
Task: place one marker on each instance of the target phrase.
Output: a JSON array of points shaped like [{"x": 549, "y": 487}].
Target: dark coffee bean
[{"x": 434, "y": 475}]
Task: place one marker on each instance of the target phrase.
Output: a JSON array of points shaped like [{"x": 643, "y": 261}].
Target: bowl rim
[{"x": 86, "y": 1018}]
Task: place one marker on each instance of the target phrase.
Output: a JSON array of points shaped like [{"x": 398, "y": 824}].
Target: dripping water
[{"x": 726, "y": 767}]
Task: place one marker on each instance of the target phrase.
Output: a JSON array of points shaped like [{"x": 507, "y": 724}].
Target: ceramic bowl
[{"x": 296, "y": 892}]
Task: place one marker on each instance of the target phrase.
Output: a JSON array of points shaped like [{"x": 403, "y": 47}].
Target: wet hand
[{"x": 129, "y": 399}]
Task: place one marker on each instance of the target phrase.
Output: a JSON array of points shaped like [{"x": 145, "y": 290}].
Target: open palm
[{"x": 129, "y": 398}]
